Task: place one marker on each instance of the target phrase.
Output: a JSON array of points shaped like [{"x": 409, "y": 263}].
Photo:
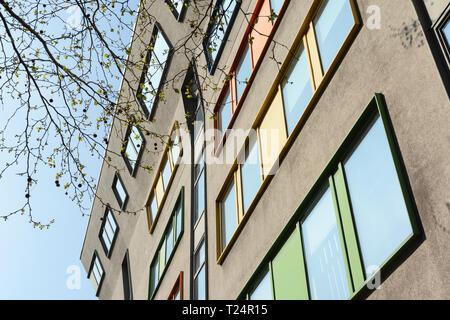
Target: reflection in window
[
  {"x": 332, "y": 25},
  {"x": 229, "y": 217},
  {"x": 323, "y": 252},
  {"x": 263, "y": 290},
  {"x": 166, "y": 173},
  {"x": 133, "y": 148},
  {"x": 251, "y": 175},
  {"x": 243, "y": 72},
  {"x": 380, "y": 214},
  {"x": 97, "y": 270},
  {"x": 224, "y": 116},
  {"x": 297, "y": 89},
  {"x": 108, "y": 230}
]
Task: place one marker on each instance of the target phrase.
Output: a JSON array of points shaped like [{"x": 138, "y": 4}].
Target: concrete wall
[{"x": 393, "y": 61}]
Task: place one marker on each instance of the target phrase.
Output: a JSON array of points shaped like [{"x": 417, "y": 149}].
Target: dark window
[
  {"x": 126, "y": 276},
  {"x": 119, "y": 191},
  {"x": 108, "y": 231},
  {"x": 199, "y": 273}
]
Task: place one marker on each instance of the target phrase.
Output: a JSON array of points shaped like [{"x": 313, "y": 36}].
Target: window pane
[
  {"x": 161, "y": 48},
  {"x": 169, "y": 242},
  {"x": 120, "y": 191},
  {"x": 229, "y": 217},
  {"x": 106, "y": 241},
  {"x": 110, "y": 218},
  {"x": 263, "y": 291},
  {"x": 251, "y": 176},
  {"x": 199, "y": 257},
  {"x": 179, "y": 221},
  {"x": 323, "y": 252},
  {"x": 175, "y": 149},
  {"x": 332, "y": 25},
  {"x": 200, "y": 285},
  {"x": 225, "y": 114},
  {"x": 243, "y": 72},
  {"x": 380, "y": 214},
  {"x": 276, "y": 5},
  {"x": 199, "y": 197},
  {"x": 153, "y": 208},
  {"x": 154, "y": 275},
  {"x": 446, "y": 32},
  {"x": 166, "y": 173},
  {"x": 297, "y": 89},
  {"x": 198, "y": 125}
]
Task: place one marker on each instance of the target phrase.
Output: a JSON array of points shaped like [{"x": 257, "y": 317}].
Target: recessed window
[
  {"x": 108, "y": 231},
  {"x": 323, "y": 252},
  {"x": 166, "y": 173},
  {"x": 119, "y": 191},
  {"x": 133, "y": 149},
  {"x": 167, "y": 244},
  {"x": 357, "y": 219},
  {"x": 176, "y": 7},
  {"x": 276, "y": 6},
  {"x": 199, "y": 188},
  {"x": 297, "y": 89},
  {"x": 379, "y": 209},
  {"x": 154, "y": 71},
  {"x": 224, "y": 115},
  {"x": 199, "y": 273},
  {"x": 217, "y": 32},
  {"x": 177, "y": 290},
  {"x": 243, "y": 72},
  {"x": 96, "y": 273},
  {"x": 228, "y": 215},
  {"x": 332, "y": 26},
  {"x": 250, "y": 174},
  {"x": 126, "y": 277}
]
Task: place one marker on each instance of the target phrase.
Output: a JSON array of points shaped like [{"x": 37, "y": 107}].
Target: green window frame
[
  {"x": 164, "y": 254},
  {"x": 286, "y": 260}
]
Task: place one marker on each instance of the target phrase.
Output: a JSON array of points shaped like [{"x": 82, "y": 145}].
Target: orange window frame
[{"x": 257, "y": 36}]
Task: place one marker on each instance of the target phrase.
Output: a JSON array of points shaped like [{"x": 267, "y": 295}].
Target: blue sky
[{"x": 34, "y": 263}]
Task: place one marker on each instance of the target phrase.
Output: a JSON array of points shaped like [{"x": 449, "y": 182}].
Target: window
[
  {"x": 134, "y": 146},
  {"x": 276, "y": 6},
  {"x": 119, "y": 191},
  {"x": 297, "y": 90},
  {"x": 199, "y": 188},
  {"x": 218, "y": 28},
  {"x": 229, "y": 215},
  {"x": 442, "y": 30},
  {"x": 263, "y": 290},
  {"x": 164, "y": 177},
  {"x": 199, "y": 273},
  {"x": 357, "y": 219},
  {"x": 126, "y": 277},
  {"x": 177, "y": 7},
  {"x": 332, "y": 24},
  {"x": 167, "y": 244},
  {"x": 177, "y": 290},
  {"x": 243, "y": 72},
  {"x": 96, "y": 273},
  {"x": 154, "y": 71},
  {"x": 250, "y": 174},
  {"x": 108, "y": 231},
  {"x": 224, "y": 115}
]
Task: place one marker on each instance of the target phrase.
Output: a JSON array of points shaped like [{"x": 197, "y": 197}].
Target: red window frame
[
  {"x": 257, "y": 48},
  {"x": 177, "y": 287}
]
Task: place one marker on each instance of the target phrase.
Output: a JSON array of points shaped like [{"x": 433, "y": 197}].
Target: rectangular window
[
  {"x": 154, "y": 71},
  {"x": 250, "y": 174},
  {"x": 134, "y": 145},
  {"x": 218, "y": 28},
  {"x": 228, "y": 215},
  {"x": 361, "y": 221},
  {"x": 96, "y": 273},
  {"x": 166, "y": 171},
  {"x": 199, "y": 273},
  {"x": 243, "y": 72},
  {"x": 119, "y": 191},
  {"x": 263, "y": 288},
  {"x": 108, "y": 231},
  {"x": 297, "y": 89},
  {"x": 224, "y": 115},
  {"x": 126, "y": 277},
  {"x": 167, "y": 245},
  {"x": 199, "y": 188}
]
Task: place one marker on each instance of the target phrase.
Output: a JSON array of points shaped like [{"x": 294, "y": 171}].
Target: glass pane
[
  {"x": 199, "y": 197},
  {"x": 297, "y": 89},
  {"x": 179, "y": 221},
  {"x": 154, "y": 75},
  {"x": 154, "y": 276},
  {"x": 200, "y": 285},
  {"x": 166, "y": 173},
  {"x": 161, "y": 48},
  {"x": 332, "y": 25},
  {"x": 380, "y": 214},
  {"x": 276, "y": 5},
  {"x": 263, "y": 291},
  {"x": 131, "y": 152},
  {"x": 446, "y": 32},
  {"x": 169, "y": 241},
  {"x": 243, "y": 72},
  {"x": 175, "y": 148},
  {"x": 199, "y": 256},
  {"x": 106, "y": 241},
  {"x": 153, "y": 208},
  {"x": 198, "y": 125},
  {"x": 110, "y": 218},
  {"x": 120, "y": 191},
  {"x": 251, "y": 176},
  {"x": 108, "y": 231},
  {"x": 229, "y": 216},
  {"x": 225, "y": 114},
  {"x": 323, "y": 252}
]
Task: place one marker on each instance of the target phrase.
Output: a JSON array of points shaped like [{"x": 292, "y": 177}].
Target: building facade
[{"x": 280, "y": 149}]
